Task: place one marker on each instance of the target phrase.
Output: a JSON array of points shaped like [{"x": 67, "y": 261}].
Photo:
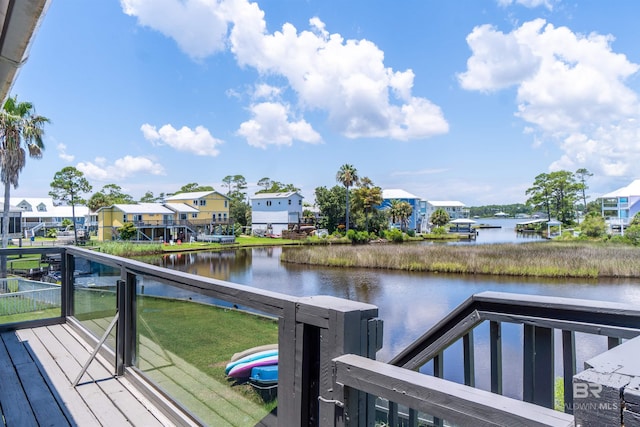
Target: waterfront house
[
  {"x": 414, "y": 221},
  {"x": 41, "y": 213},
  {"x": 271, "y": 213},
  {"x": 620, "y": 206},
  {"x": 455, "y": 209},
  {"x": 213, "y": 208},
  {"x": 153, "y": 221},
  {"x": 15, "y": 222}
]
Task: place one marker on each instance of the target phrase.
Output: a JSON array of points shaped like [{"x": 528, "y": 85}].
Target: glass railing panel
[
  {"x": 186, "y": 340},
  {"x": 94, "y": 296},
  {"x": 23, "y": 299},
  {"x": 27, "y": 293}
]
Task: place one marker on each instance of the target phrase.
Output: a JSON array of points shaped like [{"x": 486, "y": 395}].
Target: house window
[
  {"x": 194, "y": 215},
  {"x": 124, "y": 217},
  {"x": 299, "y": 202},
  {"x": 42, "y": 207},
  {"x": 226, "y": 203},
  {"x": 289, "y": 201},
  {"x": 268, "y": 202},
  {"x": 219, "y": 216},
  {"x": 203, "y": 202},
  {"x": 137, "y": 217},
  {"x": 195, "y": 203},
  {"x": 183, "y": 216},
  {"x": 224, "y": 215}
]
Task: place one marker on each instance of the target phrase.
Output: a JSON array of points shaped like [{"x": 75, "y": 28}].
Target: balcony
[{"x": 112, "y": 344}]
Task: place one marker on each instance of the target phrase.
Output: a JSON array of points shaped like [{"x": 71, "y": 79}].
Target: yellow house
[
  {"x": 153, "y": 221},
  {"x": 213, "y": 207}
]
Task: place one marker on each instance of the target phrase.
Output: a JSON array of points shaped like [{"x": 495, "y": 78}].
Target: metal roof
[
  {"x": 19, "y": 21},
  {"x": 181, "y": 207},
  {"x": 632, "y": 189},
  {"x": 444, "y": 203},
  {"x": 144, "y": 208},
  {"x": 193, "y": 195},
  {"x": 275, "y": 195},
  {"x": 397, "y": 194}
]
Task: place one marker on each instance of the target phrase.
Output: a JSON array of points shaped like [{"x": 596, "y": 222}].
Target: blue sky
[{"x": 449, "y": 100}]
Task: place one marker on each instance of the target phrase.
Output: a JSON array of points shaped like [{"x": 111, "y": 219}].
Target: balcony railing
[{"x": 327, "y": 346}]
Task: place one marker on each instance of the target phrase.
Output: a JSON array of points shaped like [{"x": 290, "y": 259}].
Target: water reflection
[{"x": 409, "y": 303}]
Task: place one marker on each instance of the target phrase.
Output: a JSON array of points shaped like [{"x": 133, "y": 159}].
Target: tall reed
[{"x": 545, "y": 259}]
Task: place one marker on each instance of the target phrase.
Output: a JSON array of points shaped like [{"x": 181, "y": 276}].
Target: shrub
[
  {"x": 127, "y": 231},
  {"x": 593, "y": 226},
  {"x": 632, "y": 234},
  {"x": 358, "y": 236},
  {"x": 394, "y": 235},
  {"x": 439, "y": 231},
  {"x": 411, "y": 233},
  {"x": 52, "y": 232}
]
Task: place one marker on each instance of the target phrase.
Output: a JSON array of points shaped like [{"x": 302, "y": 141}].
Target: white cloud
[
  {"x": 570, "y": 89},
  {"x": 198, "y": 26},
  {"x": 198, "y": 141},
  {"x": 62, "y": 153},
  {"x": 271, "y": 125},
  {"x": 531, "y": 4},
  {"x": 120, "y": 169},
  {"x": 347, "y": 79}
]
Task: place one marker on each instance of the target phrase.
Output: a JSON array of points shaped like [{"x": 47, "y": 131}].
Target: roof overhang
[{"x": 19, "y": 21}]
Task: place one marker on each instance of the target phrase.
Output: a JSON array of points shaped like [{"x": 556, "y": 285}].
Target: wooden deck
[{"x": 37, "y": 369}]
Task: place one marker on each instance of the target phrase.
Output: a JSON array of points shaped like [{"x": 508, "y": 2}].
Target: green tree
[
  {"x": 582, "y": 175},
  {"x": 275, "y": 187},
  {"x": 440, "y": 218},
  {"x": 400, "y": 211},
  {"x": 540, "y": 194},
  {"x": 20, "y": 128},
  {"x": 556, "y": 193},
  {"x": 127, "y": 231},
  {"x": 150, "y": 198},
  {"x": 330, "y": 202},
  {"x": 348, "y": 176},
  {"x": 367, "y": 197},
  {"x": 111, "y": 194},
  {"x": 238, "y": 206},
  {"x": 193, "y": 187},
  {"x": 67, "y": 186}
]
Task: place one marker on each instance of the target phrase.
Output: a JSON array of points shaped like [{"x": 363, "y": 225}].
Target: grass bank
[{"x": 545, "y": 259}]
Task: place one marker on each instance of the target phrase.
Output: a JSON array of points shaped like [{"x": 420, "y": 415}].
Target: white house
[
  {"x": 40, "y": 213},
  {"x": 455, "y": 209},
  {"x": 273, "y": 212},
  {"x": 620, "y": 206}
]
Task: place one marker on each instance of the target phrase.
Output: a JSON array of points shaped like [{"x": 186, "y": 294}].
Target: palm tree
[
  {"x": 347, "y": 175},
  {"x": 20, "y": 128},
  {"x": 400, "y": 211}
]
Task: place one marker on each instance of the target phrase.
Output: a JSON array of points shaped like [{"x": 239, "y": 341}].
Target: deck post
[
  {"x": 495, "y": 349},
  {"x": 325, "y": 328},
  {"x": 538, "y": 380}
]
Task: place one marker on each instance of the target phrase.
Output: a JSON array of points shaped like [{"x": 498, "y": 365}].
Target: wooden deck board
[
  {"x": 14, "y": 404},
  {"x": 48, "y": 360}
]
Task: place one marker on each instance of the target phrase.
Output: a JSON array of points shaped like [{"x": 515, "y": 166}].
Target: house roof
[
  {"x": 275, "y": 195},
  {"x": 181, "y": 207},
  {"x": 443, "y": 203},
  {"x": 632, "y": 189},
  {"x": 192, "y": 195},
  {"x": 397, "y": 194},
  {"x": 143, "y": 208},
  {"x": 29, "y": 208}
]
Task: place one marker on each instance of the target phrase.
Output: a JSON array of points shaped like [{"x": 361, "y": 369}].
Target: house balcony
[{"x": 108, "y": 346}]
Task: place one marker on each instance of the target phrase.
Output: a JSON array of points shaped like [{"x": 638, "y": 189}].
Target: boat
[
  {"x": 250, "y": 351},
  {"x": 243, "y": 370},
  {"x": 251, "y": 357},
  {"x": 264, "y": 376}
]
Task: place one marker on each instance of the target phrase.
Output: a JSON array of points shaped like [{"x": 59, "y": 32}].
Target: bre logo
[{"x": 585, "y": 390}]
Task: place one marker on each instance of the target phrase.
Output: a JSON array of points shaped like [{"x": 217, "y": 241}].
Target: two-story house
[
  {"x": 213, "y": 207},
  {"x": 414, "y": 221},
  {"x": 273, "y": 212}
]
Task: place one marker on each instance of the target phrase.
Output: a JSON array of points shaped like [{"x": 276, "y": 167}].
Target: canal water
[{"x": 411, "y": 303}]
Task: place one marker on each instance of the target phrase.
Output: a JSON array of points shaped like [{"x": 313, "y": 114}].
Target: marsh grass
[{"x": 544, "y": 259}]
